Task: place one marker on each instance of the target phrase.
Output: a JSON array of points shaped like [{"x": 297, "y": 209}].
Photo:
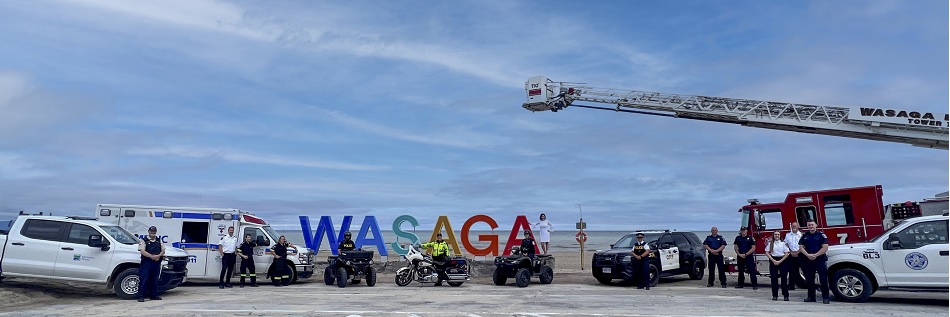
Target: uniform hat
[
  {"x": 527, "y": 232},
  {"x": 743, "y": 228},
  {"x": 152, "y": 229},
  {"x": 639, "y": 234}
]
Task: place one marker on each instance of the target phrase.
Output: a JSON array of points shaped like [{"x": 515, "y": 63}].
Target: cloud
[{"x": 256, "y": 158}]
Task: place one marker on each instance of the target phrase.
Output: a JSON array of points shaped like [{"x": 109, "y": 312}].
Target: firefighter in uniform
[
  {"x": 246, "y": 252},
  {"x": 440, "y": 251},
  {"x": 226, "y": 247},
  {"x": 794, "y": 263},
  {"x": 813, "y": 246},
  {"x": 152, "y": 251},
  {"x": 714, "y": 244},
  {"x": 527, "y": 244},
  {"x": 745, "y": 251},
  {"x": 641, "y": 262},
  {"x": 347, "y": 243},
  {"x": 280, "y": 276}
]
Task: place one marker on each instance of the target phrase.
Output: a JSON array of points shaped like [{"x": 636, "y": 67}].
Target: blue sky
[{"x": 395, "y": 107}]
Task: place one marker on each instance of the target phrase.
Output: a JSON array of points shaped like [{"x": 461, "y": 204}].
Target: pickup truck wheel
[
  {"x": 654, "y": 275},
  {"x": 603, "y": 279},
  {"x": 498, "y": 277},
  {"x": 126, "y": 284},
  {"x": 698, "y": 269},
  {"x": 851, "y": 285},
  {"x": 523, "y": 277},
  {"x": 328, "y": 277},
  {"x": 341, "y": 277},
  {"x": 547, "y": 275}
]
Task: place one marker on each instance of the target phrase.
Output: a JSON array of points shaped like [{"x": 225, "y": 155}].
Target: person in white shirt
[
  {"x": 226, "y": 247},
  {"x": 544, "y": 232},
  {"x": 778, "y": 252},
  {"x": 791, "y": 239}
]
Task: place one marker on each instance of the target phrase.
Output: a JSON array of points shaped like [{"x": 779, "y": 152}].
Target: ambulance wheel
[
  {"x": 654, "y": 275},
  {"x": 851, "y": 285},
  {"x": 370, "y": 276},
  {"x": 523, "y": 277},
  {"x": 341, "y": 277},
  {"x": 547, "y": 275},
  {"x": 126, "y": 284},
  {"x": 292, "y": 273},
  {"x": 498, "y": 277},
  {"x": 328, "y": 277},
  {"x": 697, "y": 272}
]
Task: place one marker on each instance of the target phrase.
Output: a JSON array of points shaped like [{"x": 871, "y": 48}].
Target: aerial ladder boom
[{"x": 923, "y": 129}]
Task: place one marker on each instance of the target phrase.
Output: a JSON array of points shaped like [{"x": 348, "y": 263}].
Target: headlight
[{"x": 167, "y": 267}]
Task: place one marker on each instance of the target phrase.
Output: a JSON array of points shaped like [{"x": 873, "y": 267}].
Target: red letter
[
  {"x": 451, "y": 241},
  {"x": 492, "y": 239},
  {"x": 522, "y": 223}
]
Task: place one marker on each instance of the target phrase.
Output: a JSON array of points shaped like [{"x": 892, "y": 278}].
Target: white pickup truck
[
  {"x": 913, "y": 255},
  {"x": 81, "y": 249}
]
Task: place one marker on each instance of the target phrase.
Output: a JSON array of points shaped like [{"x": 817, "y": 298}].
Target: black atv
[
  {"x": 355, "y": 264},
  {"x": 521, "y": 267}
]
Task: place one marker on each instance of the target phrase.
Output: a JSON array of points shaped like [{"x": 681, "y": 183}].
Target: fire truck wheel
[{"x": 851, "y": 285}]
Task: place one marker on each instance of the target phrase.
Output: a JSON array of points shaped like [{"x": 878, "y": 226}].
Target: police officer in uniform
[
  {"x": 280, "y": 276},
  {"x": 527, "y": 244},
  {"x": 152, "y": 251},
  {"x": 440, "y": 251},
  {"x": 347, "y": 244},
  {"x": 641, "y": 262},
  {"x": 227, "y": 246},
  {"x": 714, "y": 244},
  {"x": 246, "y": 252},
  {"x": 745, "y": 250},
  {"x": 813, "y": 246}
]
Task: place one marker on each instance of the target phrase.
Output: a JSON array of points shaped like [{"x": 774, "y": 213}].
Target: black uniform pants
[
  {"x": 441, "y": 262},
  {"x": 280, "y": 274},
  {"x": 641, "y": 269},
  {"x": 779, "y": 273},
  {"x": 148, "y": 278},
  {"x": 820, "y": 266},
  {"x": 247, "y": 270},
  {"x": 227, "y": 268},
  {"x": 747, "y": 266},
  {"x": 714, "y": 262},
  {"x": 794, "y": 269}
]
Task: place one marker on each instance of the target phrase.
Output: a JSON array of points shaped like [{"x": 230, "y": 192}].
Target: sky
[{"x": 388, "y": 108}]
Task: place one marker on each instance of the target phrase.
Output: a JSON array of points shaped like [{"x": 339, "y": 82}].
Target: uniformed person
[
  {"x": 641, "y": 262},
  {"x": 246, "y": 252},
  {"x": 347, "y": 244},
  {"x": 813, "y": 246},
  {"x": 745, "y": 251},
  {"x": 152, "y": 251},
  {"x": 527, "y": 244},
  {"x": 280, "y": 276},
  {"x": 778, "y": 252},
  {"x": 795, "y": 262},
  {"x": 714, "y": 244},
  {"x": 440, "y": 251},
  {"x": 226, "y": 247}
]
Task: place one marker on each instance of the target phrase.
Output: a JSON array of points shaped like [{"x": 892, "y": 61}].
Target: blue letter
[
  {"x": 413, "y": 238},
  {"x": 324, "y": 228},
  {"x": 369, "y": 222}
]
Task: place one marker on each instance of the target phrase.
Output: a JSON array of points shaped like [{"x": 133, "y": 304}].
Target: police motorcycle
[{"x": 423, "y": 269}]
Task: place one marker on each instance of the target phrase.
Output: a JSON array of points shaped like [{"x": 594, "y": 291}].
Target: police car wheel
[
  {"x": 603, "y": 279},
  {"x": 851, "y": 285},
  {"x": 126, "y": 284},
  {"x": 328, "y": 277},
  {"x": 370, "y": 276},
  {"x": 547, "y": 275},
  {"x": 654, "y": 275},
  {"x": 455, "y": 284},
  {"x": 698, "y": 269},
  {"x": 523, "y": 277},
  {"x": 341, "y": 277}
]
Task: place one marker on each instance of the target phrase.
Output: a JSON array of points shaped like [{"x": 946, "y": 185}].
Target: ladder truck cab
[
  {"x": 198, "y": 231},
  {"x": 846, "y": 215}
]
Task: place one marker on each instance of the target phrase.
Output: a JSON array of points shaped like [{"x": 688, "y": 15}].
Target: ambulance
[{"x": 198, "y": 230}]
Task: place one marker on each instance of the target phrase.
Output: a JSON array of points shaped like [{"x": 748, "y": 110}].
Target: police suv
[
  {"x": 673, "y": 253},
  {"x": 912, "y": 255}
]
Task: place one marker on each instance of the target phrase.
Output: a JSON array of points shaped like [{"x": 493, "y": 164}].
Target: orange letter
[
  {"x": 492, "y": 239},
  {"x": 451, "y": 241}
]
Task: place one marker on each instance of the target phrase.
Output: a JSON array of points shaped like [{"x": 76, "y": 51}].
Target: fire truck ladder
[{"x": 546, "y": 95}]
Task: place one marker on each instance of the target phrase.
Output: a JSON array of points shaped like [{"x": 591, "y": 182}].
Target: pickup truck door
[
  {"x": 922, "y": 257},
  {"x": 669, "y": 253},
  {"x": 33, "y": 250},
  {"x": 76, "y": 259}
]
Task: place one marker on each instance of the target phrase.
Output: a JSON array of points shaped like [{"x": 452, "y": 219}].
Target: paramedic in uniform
[
  {"x": 347, "y": 243},
  {"x": 246, "y": 252},
  {"x": 641, "y": 262},
  {"x": 745, "y": 251},
  {"x": 715, "y": 244},
  {"x": 152, "y": 251},
  {"x": 813, "y": 246},
  {"x": 795, "y": 262},
  {"x": 226, "y": 246}
]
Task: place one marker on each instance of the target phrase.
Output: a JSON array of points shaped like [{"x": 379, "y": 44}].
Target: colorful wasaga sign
[{"x": 314, "y": 238}]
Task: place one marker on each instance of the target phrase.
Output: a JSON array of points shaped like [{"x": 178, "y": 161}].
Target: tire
[
  {"x": 603, "y": 279},
  {"x": 126, "y": 284},
  {"x": 341, "y": 277},
  {"x": 851, "y": 285},
  {"x": 654, "y": 275},
  {"x": 455, "y": 284},
  {"x": 370, "y": 276},
  {"x": 523, "y": 277},
  {"x": 498, "y": 277},
  {"x": 404, "y": 278},
  {"x": 292, "y": 273},
  {"x": 328, "y": 277},
  {"x": 699, "y": 268},
  {"x": 547, "y": 275}
]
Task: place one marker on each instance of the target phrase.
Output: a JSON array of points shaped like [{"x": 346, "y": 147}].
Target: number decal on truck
[
  {"x": 870, "y": 254},
  {"x": 843, "y": 236}
]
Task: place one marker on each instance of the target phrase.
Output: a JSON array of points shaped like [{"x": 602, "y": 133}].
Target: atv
[
  {"x": 355, "y": 265},
  {"x": 521, "y": 267}
]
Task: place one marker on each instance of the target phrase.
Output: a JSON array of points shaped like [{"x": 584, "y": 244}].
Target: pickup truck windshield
[{"x": 121, "y": 235}]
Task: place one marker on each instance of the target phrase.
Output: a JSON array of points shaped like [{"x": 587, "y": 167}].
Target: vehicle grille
[{"x": 178, "y": 264}]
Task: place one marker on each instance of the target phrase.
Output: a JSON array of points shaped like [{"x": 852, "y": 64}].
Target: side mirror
[
  {"x": 611, "y": 246},
  {"x": 96, "y": 241}
]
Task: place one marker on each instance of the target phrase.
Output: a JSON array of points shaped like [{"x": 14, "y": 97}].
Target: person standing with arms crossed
[
  {"x": 795, "y": 262},
  {"x": 152, "y": 251},
  {"x": 778, "y": 254},
  {"x": 745, "y": 251},
  {"x": 813, "y": 246},
  {"x": 246, "y": 252},
  {"x": 641, "y": 262},
  {"x": 226, "y": 247},
  {"x": 714, "y": 244},
  {"x": 545, "y": 228}
]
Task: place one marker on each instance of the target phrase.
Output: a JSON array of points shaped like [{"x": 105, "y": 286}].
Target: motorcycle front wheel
[{"x": 404, "y": 278}]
